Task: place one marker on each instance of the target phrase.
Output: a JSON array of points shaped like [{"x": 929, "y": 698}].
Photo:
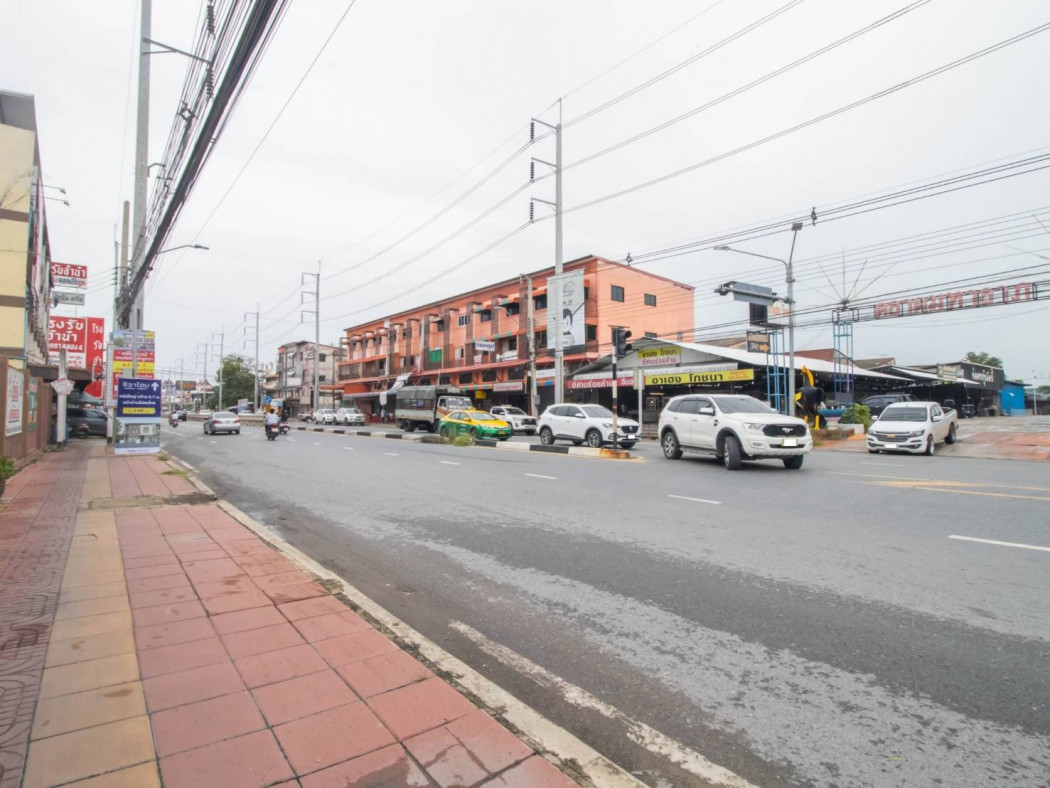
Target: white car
[
  {"x": 913, "y": 427},
  {"x": 349, "y": 416},
  {"x": 518, "y": 419},
  {"x": 592, "y": 424},
  {"x": 324, "y": 416},
  {"x": 733, "y": 428}
]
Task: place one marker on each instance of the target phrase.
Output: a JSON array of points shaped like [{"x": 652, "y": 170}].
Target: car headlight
[
  {"x": 916, "y": 433},
  {"x": 754, "y": 427}
]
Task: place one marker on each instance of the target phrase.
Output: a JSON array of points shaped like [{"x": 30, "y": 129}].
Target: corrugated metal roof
[{"x": 759, "y": 360}]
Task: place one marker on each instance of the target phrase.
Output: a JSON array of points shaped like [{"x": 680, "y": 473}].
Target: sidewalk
[{"x": 147, "y": 638}]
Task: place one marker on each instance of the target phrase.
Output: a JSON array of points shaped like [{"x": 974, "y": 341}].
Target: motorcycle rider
[{"x": 272, "y": 420}]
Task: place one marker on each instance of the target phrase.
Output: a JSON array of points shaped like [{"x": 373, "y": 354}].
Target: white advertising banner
[
  {"x": 574, "y": 330},
  {"x": 16, "y": 387}
]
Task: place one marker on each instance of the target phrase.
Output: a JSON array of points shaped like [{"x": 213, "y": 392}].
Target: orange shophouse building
[{"x": 478, "y": 341}]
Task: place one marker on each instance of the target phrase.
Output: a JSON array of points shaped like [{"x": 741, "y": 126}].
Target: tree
[
  {"x": 984, "y": 358},
  {"x": 238, "y": 382}
]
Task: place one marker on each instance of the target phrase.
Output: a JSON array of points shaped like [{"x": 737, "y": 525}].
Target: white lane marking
[
  {"x": 696, "y": 500},
  {"x": 1000, "y": 544},
  {"x": 449, "y": 462},
  {"x": 212, "y": 441},
  {"x": 316, "y": 443},
  {"x": 390, "y": 453},
  {"x": 885, "y": 464},
  {"x": 650, "y": 738},
  {"x": 292, "y": 440},
  {"x": 541, "y": 476},
  {"x": 348, "y": 448}
]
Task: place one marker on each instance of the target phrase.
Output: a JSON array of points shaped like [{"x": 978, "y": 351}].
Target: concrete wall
[{"x": 16, "y": 166}]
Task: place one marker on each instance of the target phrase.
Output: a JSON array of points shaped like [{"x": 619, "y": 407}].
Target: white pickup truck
[{"x": 913, "y": 427}]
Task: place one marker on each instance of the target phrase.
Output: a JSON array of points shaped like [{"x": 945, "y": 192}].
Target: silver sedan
[{"x": 222, "y": 422}]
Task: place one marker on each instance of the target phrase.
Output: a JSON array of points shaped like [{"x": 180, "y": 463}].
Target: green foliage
[
  {"x": 462, "y": 440},
  {"x": 238, "y": 383},
  {"x": 984, "y": 358},
  {"x": 7, "y": 468},
  {"x": 857, "y": 414}
]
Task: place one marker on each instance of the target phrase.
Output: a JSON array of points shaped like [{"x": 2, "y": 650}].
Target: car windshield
[
  {"x": 742, "y": 405},
  {"x": 903, "y": 413},
  {"x": 457, "y": 402},
  {"x": 597, "y": 412},
  {"x": 514, "y": 411}
]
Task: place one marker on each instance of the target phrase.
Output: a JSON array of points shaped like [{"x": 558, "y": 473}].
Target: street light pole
[{"x": 790, "y": 275}]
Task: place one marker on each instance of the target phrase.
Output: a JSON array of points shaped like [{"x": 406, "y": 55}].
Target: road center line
[
  {"x": 697, "y": 500},
  {"x": 649, "y": 738},
  {"x": 348, "y": 448},
  {"x": 541, "y": 476},
  {"x": 449, "y": 462},
  {"x": 1000, "y": 544},
  {"x": 316, "y": 443},
  {"x": 390, "y": 453}
]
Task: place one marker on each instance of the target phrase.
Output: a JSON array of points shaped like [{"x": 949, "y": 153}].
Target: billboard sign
[
  {"x": 94, "y": 353},
  {"x": 16, "y": 387},
  {"x": 663, "y": 356},
  {"x": 138, "y": 416},
  {"x": 73, "y": 299},
  {"x": 757, "y": 342},
  {"x": 69, "y": 275},
  {"x": 778, "y": 314},
  {"x": 67, "y": 333},
  {"x": 127, "y": 338},
  {"x": 574, "y": 330},
  {"x": 485, "y": 346},
  {"x": 691, "y": 378}
]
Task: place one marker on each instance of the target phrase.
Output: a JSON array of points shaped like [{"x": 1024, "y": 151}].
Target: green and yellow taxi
[{"x": 475, "y": 423}]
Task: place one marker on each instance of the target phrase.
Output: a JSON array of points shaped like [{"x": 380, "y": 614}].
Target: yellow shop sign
[{"x": 688, "y": 378}]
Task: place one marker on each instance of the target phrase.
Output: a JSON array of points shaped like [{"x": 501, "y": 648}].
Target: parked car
[
  {"x": 349, "y": 416},
  {"x": 180, "y": 415},
  {"x": 733, "y": 428},
  {"x": 222, "y": 422},
  {"x": 324, "y": 416},
  {"x": 516, "y": 418},
  {"x": 913, "y": 427},
  {"x": 475, "y": 423},
  {"x": 206, "y": 413},
  {"x": 590, "y": 423},
  {"x": 878, "y": 402},
  {"x": 85, "y": 422}
]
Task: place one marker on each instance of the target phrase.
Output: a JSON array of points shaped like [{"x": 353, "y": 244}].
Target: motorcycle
[
  {"x": 284, "y": 428},
  {"x": 173, "y": 420},
  {"x": 272, "y": 431}
]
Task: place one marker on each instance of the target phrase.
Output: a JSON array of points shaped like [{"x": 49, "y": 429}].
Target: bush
[
  {"x": 7, "y": 468},
  {"x": 857, "y": 414},
  {"x": 462, "y": 440}
]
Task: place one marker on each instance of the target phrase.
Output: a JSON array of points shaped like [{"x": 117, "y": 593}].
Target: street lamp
[
  {"x": 791, "y": 306},
  {"x": 184, "y": 246}
]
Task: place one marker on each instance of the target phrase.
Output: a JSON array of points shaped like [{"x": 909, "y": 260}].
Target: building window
[
  {"x": 512, "y": 343},
  {"x": 540, "y": 301},
  {"x": 650, "y": 299},
  {"x": 489, "y": 375},
  {"x": 486, "y": 315},
  {"x": 322, "y": 357},
  {"x": 617, "y": 293},
  {"x": 650, "y": 335},
  {"x": 586, "y": 293},
  {"x": 466, "y": 377},
  {"x": 463, "y": 320},
  {"x": 322, "y": 378},
  {"x": 541, "y": 339},
  {"x": 592, "y": 333},
  {"x": 439, "y": 325},
  {"x": 445, "y": 380},
  {"x": 459, "y": 352},
  {"x": 513, "y": 309}
]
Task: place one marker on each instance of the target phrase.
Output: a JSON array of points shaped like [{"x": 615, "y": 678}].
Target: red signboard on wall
[
  {"x": 95, "y": 354},
  {"x": 69, "y": 275}
]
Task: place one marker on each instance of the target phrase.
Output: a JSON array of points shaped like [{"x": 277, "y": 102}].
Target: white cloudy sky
[{"x": 411, "y": 95}]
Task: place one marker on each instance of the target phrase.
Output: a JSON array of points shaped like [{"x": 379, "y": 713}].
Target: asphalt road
[{"x": 816, "y": 627}]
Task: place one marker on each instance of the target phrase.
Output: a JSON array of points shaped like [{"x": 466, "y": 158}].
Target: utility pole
[
  {"x": 255, "y": 395},
  {"x": 533, "y": 398},
  {"x": 219, "y": 374},
  {"x": 204, "y": 379},
  {"x": 554, "y": 284},
  {"x": 791, "y": 320},
  {"x": 182, "y": 382},
  {"x": 141, "y": 153},
  {"x": 315, "y": 400}
]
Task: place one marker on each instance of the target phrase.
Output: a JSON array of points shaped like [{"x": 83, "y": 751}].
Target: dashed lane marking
[
  {"x": 695, "y": 500},
  {"x": 212, "y": 441},
  {"x": 541, "y": 476},
  {"x": 316, "y": 443},
  {"x": 1000, "y": 544},
  {"x": 650, "y": 738},
  {"x": 348, "y": 448},
  {"x": 449, "y": 462},
  {"x": 390, "y": 453}
]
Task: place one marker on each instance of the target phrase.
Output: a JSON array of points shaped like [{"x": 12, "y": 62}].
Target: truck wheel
[
  {"x": 546, "y": 436},
  {"x": 793, "y": 463},
  {"x": 594, "y": 439},
  {"x": 672, "y": 449},
  {"x": 732, "y": 454},
  {"x": 951, "y": 435},
  {"x": 930, "y": 446},
  {"x": 408, "y": 426}
]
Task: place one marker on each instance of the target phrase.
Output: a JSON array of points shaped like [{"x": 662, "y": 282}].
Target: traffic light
[{"x": 620, "y": 343}]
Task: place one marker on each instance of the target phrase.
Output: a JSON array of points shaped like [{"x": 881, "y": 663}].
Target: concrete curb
[
  {"x": 572, "y": 451},
  {"x": 576, "y": 758}
]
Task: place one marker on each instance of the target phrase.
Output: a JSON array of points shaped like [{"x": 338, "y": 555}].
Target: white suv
[
  {"x": 590, "y": 423},
  {"x": 324, "y": 416},
  {"x": 734, "y": 428},
  {"x": 519, "y": 420},
  {"x": 349, "y": 416}
]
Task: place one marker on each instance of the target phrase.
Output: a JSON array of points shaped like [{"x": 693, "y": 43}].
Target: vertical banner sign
[
  {"x": 16, "y": 386},
  {"x": 69, "y": 334},
  {"x": 123, "y": 345},
  {"x": 67, "y": 275},
  {"x": 95, "y": 354},
  {"x": 574, "y": 330},
  {"x": 138, "y": 416}
]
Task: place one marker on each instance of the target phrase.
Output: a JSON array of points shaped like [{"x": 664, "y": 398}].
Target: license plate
[
  {"x": 890, "y": 446},
  {"x": 790, "y": 442}
]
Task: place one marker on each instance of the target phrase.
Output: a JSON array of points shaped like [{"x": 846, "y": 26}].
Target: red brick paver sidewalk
[{"x": 193, "y": 653}]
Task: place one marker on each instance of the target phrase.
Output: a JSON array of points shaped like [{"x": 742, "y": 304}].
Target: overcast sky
[{"x": 411, "y": 96}]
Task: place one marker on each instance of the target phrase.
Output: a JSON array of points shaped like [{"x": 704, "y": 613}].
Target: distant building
[
  {"x": 478, "y": 340},
  {"x": 295, "y": 374},
  {"x": 25, "y": 282}
]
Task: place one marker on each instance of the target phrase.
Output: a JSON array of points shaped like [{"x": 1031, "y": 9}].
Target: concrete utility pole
[
  {"x": 554, "y": 284},
  {"x": 141, "y": 151},
  {"x": 533, "y": 398},
  {"x": 315, "y": 400},
  {"x": 204, "y": 379},
  {"x": 791, "y": 320},
  {"x": 255, "y": 395},
  {"x": 222, "y": 348}
]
